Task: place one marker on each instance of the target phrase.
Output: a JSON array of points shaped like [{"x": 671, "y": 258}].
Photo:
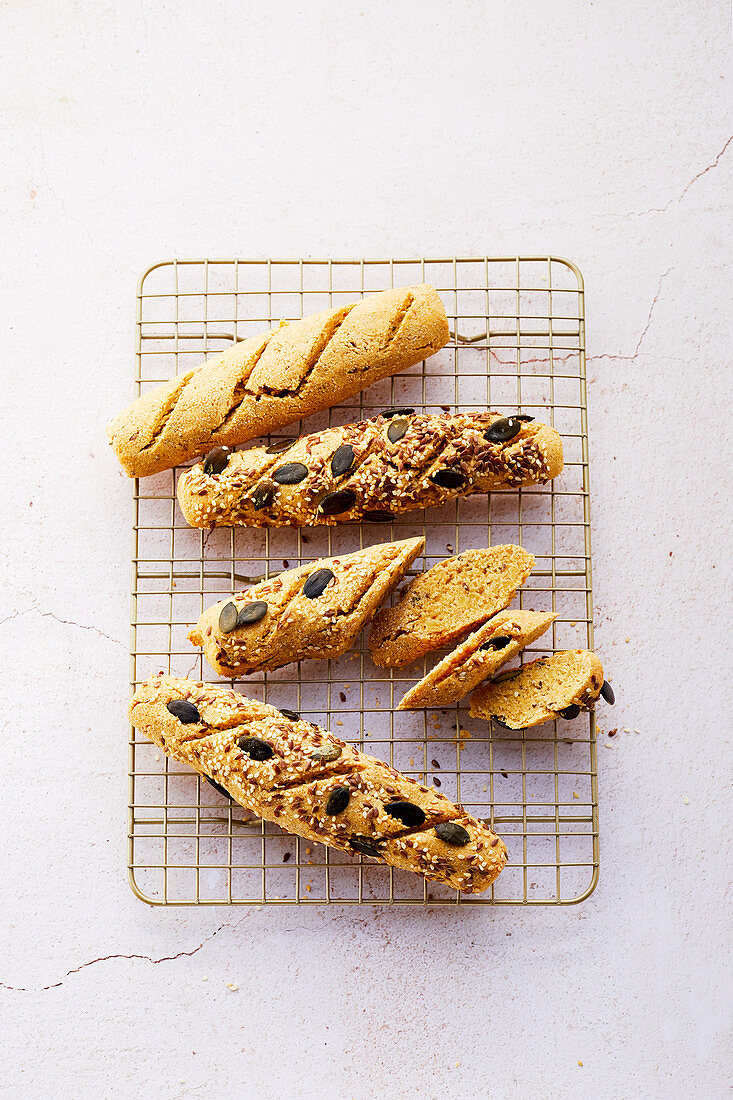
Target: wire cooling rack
[{"x": 517, "y": 344}]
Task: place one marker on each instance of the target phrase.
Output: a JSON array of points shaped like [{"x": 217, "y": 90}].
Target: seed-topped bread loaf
[
  {"x": 267, "y": 381},
  {"x": 478, "y": 658},
  {"x": 447, "y": 602},
  {"x": 315, "y": 611},
  {"x": 559, "y": 686},
  {"x": 371, "y": 470},
  {"x": 290, "y": 771}
]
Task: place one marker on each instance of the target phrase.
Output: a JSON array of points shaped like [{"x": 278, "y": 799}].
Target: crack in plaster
[
  {"x": 107, "y": 958},
  {"x": 66, "y": 622}
]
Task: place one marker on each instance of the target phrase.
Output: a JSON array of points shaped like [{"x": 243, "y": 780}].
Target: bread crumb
[
  {"x": 686, "y": 800},
  {"x": 205, "y": 978},
  {"x": 575, "y": 794},
  {"x": 579, "y": 1062},
  {"x": 627, "y": 639}
]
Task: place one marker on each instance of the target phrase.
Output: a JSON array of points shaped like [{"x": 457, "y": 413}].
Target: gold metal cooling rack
[{"x": 517, "y": 344}]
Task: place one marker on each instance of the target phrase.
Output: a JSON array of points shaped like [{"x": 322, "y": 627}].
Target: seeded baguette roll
[
  {"x": 315, "y": 611},
  {"x": 478, "y": 658},
  {"x": 447, "y": 602},
  {"x": 370, "y": 470},
  {"x": 290, "y": 771},
  {"x": 268, "y": 381},
  {"x": 559, "y": 686}
]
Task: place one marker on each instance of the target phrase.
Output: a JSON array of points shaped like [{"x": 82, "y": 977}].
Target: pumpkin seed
[
  {"x": 502, "y": 723},
  {"x": 216, "y": 460},
  {"x": 327, "y": 755},
  {"x": 184, "y": 711},
  {"x": 500, "y": 642},
  {"x": 279, "y": 446},
  {"x": 406, "y": 812},
  {"x": 263, "y": 494},
  {"x": 502, "y": 430},
  {"x": 255, "y": 748},
  {"x": 378, "y": 517},
  {"x": 218, "y": 787},
  {"x": 291, "y": 714},
  {"x": 364, "y": 845},
  {"x": 252, "y": 613},
  {"x": 343, "y": 459},
  {"x": 448, "y": 478},
  {"x": 570, "y": 712},
  {"x": 453, "y": 834},
  {"x": 524, "y": 418},
  {"x": 607, "y": 693},
  {"x": 333, "y": 504},
  {"x": 316, "y": 583},
  {"x": 505, "y": 676},
  {"x": 397, "y": 410},
  {"x": 290, "y": 474},
  {"x": 338, "y": 800},
  {"x": 397, "y": 429},
  {"x": 228, "y": 618}
]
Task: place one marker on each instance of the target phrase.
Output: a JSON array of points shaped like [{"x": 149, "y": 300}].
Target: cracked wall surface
[{"x": 598, "y": 132}]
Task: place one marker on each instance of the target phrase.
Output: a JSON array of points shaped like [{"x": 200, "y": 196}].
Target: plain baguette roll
[
  {"x": 267, "y": 381},
  {"x": 287, "y": 770}
]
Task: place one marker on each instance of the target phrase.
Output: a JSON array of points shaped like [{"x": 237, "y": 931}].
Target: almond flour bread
[
  {"x": 370, "y": 470},
  {"x": 478, "y": 658},
  {"x": 559, "y": 686},
  {"x": 267, "y": 381},
  {"x": 447, "y": 602},
  {"x": 315, "y": 611},
  {"x": 290, "y": 771}
]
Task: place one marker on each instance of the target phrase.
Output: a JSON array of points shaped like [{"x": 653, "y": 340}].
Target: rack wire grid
[{"x": 517, "y": 344}]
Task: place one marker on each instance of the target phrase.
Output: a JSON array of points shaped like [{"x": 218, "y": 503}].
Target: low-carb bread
[
  {"x": 267, "y": 381},
  {"x": 444, "y": 604},
  {"x": 287, "y": 770},
  {"x": 314, "y": 611},
  {"x": 371, "y": 470},
  {"x": 478, "y": 658},
  {"x": 559, "y": 686}
]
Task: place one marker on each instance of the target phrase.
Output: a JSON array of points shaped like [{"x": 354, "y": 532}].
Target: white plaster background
[{"x": 140, "y": 131}]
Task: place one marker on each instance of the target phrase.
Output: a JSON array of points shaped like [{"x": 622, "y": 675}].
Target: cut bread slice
[
  {"x": 444, "y": 604},
  {"x": 478, "y": 658},
  {"x": 315, "y": 611},
  {"x": 559, "y": 686}
]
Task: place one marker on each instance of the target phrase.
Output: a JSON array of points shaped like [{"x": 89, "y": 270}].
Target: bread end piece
[{"x": 541, "y": 690}]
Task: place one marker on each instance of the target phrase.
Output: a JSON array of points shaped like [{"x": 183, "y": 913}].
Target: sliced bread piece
[
  {"x": 478, "y": 658},
  {"x": 448, "y": 601},
  {"x": 559, "y": 686}
]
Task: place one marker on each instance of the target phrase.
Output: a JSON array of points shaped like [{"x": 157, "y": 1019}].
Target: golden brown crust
[
  {"x": 390, "y": 473},
  {"x": 289, "y": 771},
  {"x": 445, "y": 603},
  {"x": 453, "y": 678},
  {"x": 295, "y": 627},
  {"x": 271, "y": 380},
  {"x": 539, "y": 691}
]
